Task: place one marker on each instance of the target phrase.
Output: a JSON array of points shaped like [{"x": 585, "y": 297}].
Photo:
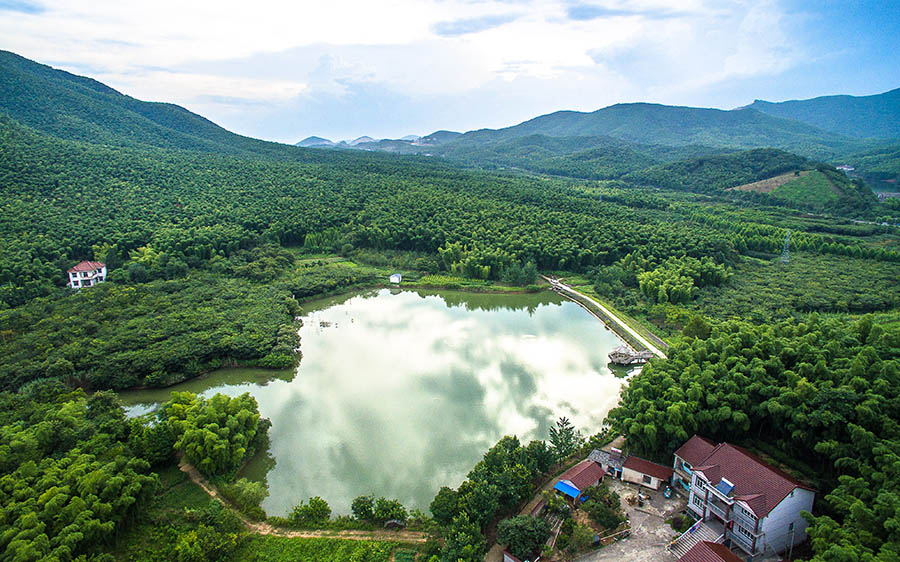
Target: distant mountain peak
[{"x": 314, "y": 141}]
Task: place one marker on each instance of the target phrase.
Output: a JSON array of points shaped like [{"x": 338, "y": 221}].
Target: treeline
[
  {"x": 169, "y": 212},
  {"x": 820, "y": 396},
  {"x": 237, "y": 311},
  {"x": 494, "y": 487},
  {"x": 714, "y": 174}
]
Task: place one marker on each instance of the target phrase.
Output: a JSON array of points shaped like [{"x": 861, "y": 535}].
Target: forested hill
[
  {"x": 79, "y": 108},
  {"x": 677, "y": 126},
  {"x": 854, "y": 116},
  {"x": 713, "y": 174}
]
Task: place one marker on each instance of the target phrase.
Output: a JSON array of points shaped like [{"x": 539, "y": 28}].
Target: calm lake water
[{"x": 401, "y": 392}]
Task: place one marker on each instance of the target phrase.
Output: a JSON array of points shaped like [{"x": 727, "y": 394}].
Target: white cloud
[{"x": 527, "y": 57}]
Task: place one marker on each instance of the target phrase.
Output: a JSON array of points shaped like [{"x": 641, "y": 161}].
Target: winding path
[
  {"x": 620, "y": 324},
  {"x": 263, "y": 528}
]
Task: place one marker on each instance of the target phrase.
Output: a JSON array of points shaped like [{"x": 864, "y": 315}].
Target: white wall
[
  {"x": 776, "y": 524},
  {"x": 636, "y": 477}
]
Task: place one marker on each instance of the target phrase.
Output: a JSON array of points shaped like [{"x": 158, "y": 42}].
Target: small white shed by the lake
[{"x": 396, "y": 278}]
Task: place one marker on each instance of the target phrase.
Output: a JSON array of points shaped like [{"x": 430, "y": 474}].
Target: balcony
[
  {"x": 744, "y": 542},
  {"x": 720, "y": 509}
]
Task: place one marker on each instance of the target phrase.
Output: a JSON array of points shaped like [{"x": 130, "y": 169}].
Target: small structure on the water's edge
[
  {"x": 396, "y": 278},
  {"x": 624, "y": 356},
  {"x": 86, "y": 274}
]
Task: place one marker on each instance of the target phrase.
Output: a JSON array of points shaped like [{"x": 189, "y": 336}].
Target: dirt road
[{"x": 263, "y": 528}]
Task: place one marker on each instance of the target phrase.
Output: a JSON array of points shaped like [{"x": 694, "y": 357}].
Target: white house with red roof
[
  {"x": 753, "y": 505},
  {"x": 87, "y": 274}
]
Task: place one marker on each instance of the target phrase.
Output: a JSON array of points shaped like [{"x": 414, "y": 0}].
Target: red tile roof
[
  {"x": 649, "y": 468},
  {"x": 584, "y": 474},
  {"x": 756, "y": 483},
  {"x": 705, "y": 551},
  {"x": 695, "y": 450},
  {"x": 87, "y": 266}
]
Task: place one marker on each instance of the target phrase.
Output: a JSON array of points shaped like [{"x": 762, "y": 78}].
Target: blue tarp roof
[{"x": 567, "y": 488}]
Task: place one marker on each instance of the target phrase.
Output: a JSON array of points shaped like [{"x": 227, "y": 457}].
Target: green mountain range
[
  {"x": 78, "y": 108},
  {"x": 677, "y": 126},
  {"x": 852, "y": 116},
  {"x": 624, "y": 141}
]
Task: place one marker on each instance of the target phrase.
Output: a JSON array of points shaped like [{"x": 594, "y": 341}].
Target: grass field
[
  {"x": 812, "y": 188},
  {"x": 281, "y": 549}
]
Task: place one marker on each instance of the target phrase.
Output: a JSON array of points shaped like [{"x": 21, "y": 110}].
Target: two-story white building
[
  {"x": 750, "y": 504},
  {"x": 87, "y": 274}
]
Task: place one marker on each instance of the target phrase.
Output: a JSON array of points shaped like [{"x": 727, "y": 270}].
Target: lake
[{"x": 401, "y": 392}]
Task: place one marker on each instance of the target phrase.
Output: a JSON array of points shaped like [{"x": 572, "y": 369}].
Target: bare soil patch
[{"x": 769, "y": 185}]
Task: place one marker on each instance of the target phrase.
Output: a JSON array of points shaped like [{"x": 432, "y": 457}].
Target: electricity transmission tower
[{"x": 786, "y": 253}]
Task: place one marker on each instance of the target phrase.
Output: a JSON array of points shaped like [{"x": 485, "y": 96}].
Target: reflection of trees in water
[
  {"x": 259, "y": 466},
  {"x": 491, "y": 302}
]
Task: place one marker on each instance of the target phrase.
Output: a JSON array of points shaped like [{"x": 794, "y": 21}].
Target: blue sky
[{"x": 342, "y": 69}]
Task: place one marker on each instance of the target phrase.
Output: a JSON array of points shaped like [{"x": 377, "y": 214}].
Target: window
[
  {"x": 745, "y": 532},
  {"x": 748, "y": 513},
  {"x": 697, "y": 501},
  {"x": 648, "y": 480},
  {"x": 698, "y": 482},
  {"x": 791, "y": 526}
]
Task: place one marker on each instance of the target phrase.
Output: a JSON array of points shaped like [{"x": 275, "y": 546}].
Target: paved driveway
[{"x": 649, "y": 532}]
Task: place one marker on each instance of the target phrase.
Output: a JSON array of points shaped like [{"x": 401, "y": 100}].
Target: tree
[
  {"x": 524, "y": 535},
  {"x": 316, "y": 512},
  {"x": 564, "y": 439},
  {"x": 386, "y": 510},
  {"x": 444, "y": 506},
  {"x": 247, "y": 494},
  {"x": 215, "y": 434},
  {"x": 479, "y": 500},
  {"x": 697, "y": 327},
  {"x": 463, "y": 541},
  {"x": 363, "y": 508},
  {"x": 582, "y": 537}
]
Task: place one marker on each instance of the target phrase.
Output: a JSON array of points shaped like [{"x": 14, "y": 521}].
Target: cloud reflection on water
[{"x": 399, "y": 394}]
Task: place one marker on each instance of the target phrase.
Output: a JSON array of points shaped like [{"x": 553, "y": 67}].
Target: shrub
[
  {"x": 523, "y": 535},
  {"x": 314, "y": 512}
]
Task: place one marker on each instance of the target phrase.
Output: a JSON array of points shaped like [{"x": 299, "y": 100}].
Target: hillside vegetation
[
  {"x": 853, "y": 116},
  {"x": 714, "y": 174},
  {"x": 212, "y": 239},
  {"x": 813, "y": 188}
]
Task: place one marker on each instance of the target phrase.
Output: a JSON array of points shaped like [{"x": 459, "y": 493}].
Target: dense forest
[
  {"x": 819, "y": 395},
  {"x": 782, "y": 316}
]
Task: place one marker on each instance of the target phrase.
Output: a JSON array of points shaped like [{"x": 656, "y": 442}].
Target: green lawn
[
  {"x": 281, "y": 549},
  {"x": 813, "y": 187}
]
